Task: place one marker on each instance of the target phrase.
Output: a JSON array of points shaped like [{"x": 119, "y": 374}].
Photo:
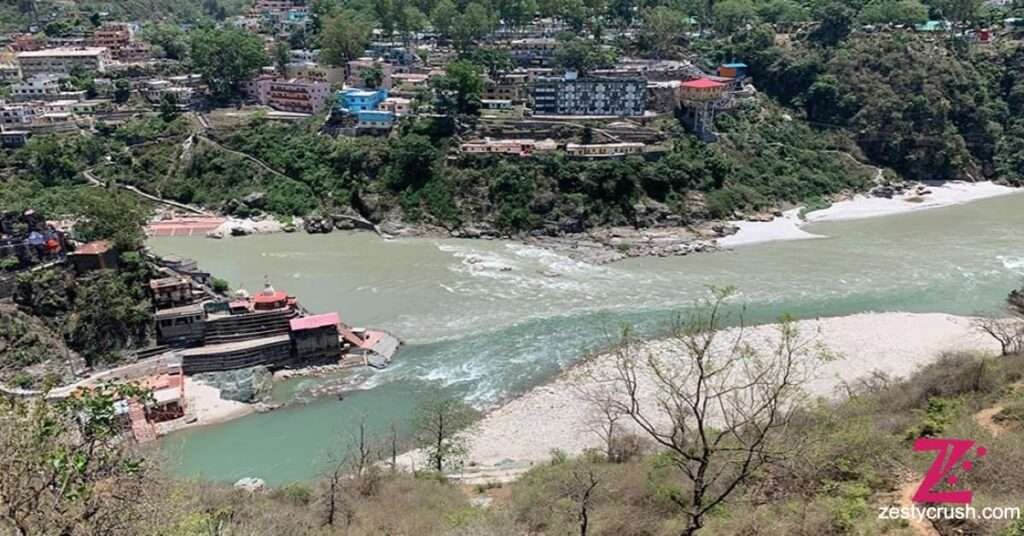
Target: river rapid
[{"x": 486, "y": 320}]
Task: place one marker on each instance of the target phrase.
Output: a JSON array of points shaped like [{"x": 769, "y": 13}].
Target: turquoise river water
[{"x": 486, "y": 320}]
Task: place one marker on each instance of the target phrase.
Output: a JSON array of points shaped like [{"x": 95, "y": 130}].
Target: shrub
[{"x": 220, "y": 285}]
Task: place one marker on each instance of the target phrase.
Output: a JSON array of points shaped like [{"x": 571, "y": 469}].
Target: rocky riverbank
[{"x": 660, "y": 233}]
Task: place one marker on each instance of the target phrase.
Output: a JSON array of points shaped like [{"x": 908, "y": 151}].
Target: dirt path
[
  {"x": 906, "y": 500},
  {"x": 986, "y": 419}
]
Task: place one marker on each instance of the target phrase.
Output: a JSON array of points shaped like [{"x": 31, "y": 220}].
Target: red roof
[
  {"x": 702, "y": 83},
  {"x": 315, "y": 321},
  {"x": 273, "y": 297},
  {"x": 94, "y": 248}
]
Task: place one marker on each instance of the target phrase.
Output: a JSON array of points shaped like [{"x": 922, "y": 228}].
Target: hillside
[{"x": 15, "y": 15}]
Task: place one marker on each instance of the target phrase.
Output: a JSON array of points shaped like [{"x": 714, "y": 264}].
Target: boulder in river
[{"x": 250, "y": 484}]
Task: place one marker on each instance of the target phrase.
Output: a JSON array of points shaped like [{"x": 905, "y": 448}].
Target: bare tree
[
  {"x": 585, "y": 481},
  {"x": 438, "y": 425},
  {"x": 715, "y": 404},
  {"x": 1008, "y": 332},
  {"x": 604, "y": 415}
]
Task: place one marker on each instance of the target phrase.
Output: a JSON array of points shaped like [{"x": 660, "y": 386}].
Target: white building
[
  {"x": 14, "y": 116},
  {"x": 43, "y": 87},
  {"x": 63, "y": 60}
]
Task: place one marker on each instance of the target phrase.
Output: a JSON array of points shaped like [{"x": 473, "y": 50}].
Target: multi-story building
[
  {"x": 154, "y": 91},
  {"x": 512, "y": 87},
  {"x": 536, "y": 51},
  {"x": 63, "y": 60},
  {"x": 359, "y": 100},
  {"x": 26, "y": 42},
  {"x": 12, "y": 139},
  {"x": 298, "y": 95},
  {"x": 9, "y": 72},
  {"x": 42, "y": 87},
  {"x": 112, "y": 35},
  {"x": 14, "y": 116},
  {"x": 396, "y": 105},
  {"x": 570, "y": 95}
]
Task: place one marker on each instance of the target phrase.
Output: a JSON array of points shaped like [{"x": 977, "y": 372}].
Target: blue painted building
[
  {"x": 359, "y": 100},
  {"x": 375, "y": 119}
]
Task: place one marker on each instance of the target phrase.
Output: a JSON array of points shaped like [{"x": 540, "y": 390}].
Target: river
[{"x": 486, "y": 320}]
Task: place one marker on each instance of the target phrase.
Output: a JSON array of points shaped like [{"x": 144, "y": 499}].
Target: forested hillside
[{"x": 16, "y": 14}]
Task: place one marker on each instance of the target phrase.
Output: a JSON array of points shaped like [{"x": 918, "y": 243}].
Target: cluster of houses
[{"x": 38, "y": 71}]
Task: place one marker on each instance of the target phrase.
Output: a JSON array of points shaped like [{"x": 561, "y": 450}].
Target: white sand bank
[
  {"x": 525, "y": 430},
  {"x": 789, "y": 226},
  {"x": 786, "y": 227},
  {"x": 942, "y": 195}
]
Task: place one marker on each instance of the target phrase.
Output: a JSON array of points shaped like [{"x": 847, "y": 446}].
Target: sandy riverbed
[
  {"x": 789, "y": 225},
  {"x": 525, "y": 430}
]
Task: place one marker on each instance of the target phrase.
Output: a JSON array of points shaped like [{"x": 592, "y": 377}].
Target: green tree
[
  {"x": 169, "y": 37},
  {"x": 169, "y": 107},
  {"x": 344, "y": 37},
  {"x": 956, "y": 10},
  {"x": 583, "y": 55},
  {"x": 112, "y": 215},
  {"x": 458, "y": 90},
  {"x": 443, "y": 16},
  {"x": 782, "y": 11},
  {"x": 282, "y": 57},
  {"x": 66, "y": 468},
  {"x": 663, "y": 26},
  {"x": 373, "y": 77},
  {"x": 122, "y": 90},
  {"x": 412, "y": 162},
  {"x": 438, "y": 426},
  {"x": 731, "y": 15},
  {"x": 472, "y": 25},
  {"x": 493, "y": 61},
  {"x": 107, "y": 317},
  {"x": 225, "y": 57},
  {"x": 836, "y": 20},
  {"x": 907, "y": 12},
  {"x": 411, "y": 21},
  {"x": 515, "y": 13}
]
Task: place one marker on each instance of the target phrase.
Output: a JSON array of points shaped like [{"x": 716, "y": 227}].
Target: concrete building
[
  {"x": 63, "y": 60},
  {"x": 315, "y": 338},
  {"x": 99, "y": 255},
  {"x": 154, "y": 91},
  {"x": 358, "y": 100},
  {"x": 9, "y": 72},
  {"x": 112, "y": 35},
  {"x": 298, "y": 95},
  {"x": 40, "y": 87},
  {"x": 532, "y": 51},
  {"x": 396, "y": 105},
  {"x": 523, "y": 147},
  {"x": 375, "y": 120},
  {"x": 603, "y": 150},
  {"x": 170, "y": 291},
  {"x": 495, "y": 104},
  {"x": 180, "y": 326},
  {"x": 570, "y": 95},
  {"x": 15, "y": 116},
  {"x": 12, "y": 139},
  {"x": 512, "y": 87}
]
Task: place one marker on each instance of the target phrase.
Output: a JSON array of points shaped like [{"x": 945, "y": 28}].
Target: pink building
[{"x": 298, "y": 95}]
